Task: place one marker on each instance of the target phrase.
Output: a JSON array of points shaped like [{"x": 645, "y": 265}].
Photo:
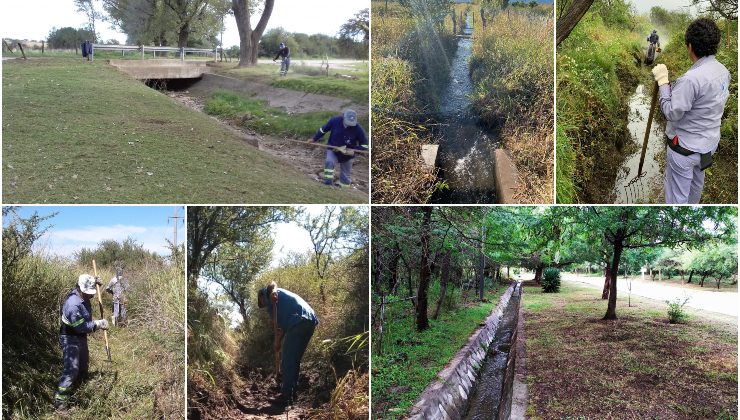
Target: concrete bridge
[{"x": 161, "y": 68}]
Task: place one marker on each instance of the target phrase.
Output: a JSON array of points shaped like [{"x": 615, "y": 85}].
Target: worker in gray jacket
[
  {"x": 76, "y": 324},
  {"x": 118, "y": 286},
  {"x": 693, "y": 105}
]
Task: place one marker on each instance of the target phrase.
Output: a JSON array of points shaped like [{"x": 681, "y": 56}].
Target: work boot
[
  {"x": 282, "y": 399},
  {"x": 60, "y": 406}
]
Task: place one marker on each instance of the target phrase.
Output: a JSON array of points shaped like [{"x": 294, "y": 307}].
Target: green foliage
[
  {"x": 551, "y": 280},
  {"x": 110, "y": 253},
  {"x": 597, "y": 73},
  {"x": 676, "y": 313},
  {"x": 310, "y": 46},
  {"x": 566, "y": 168},
  {"x": 511, "y": 66},
  {"x": 69, "y": 38}
]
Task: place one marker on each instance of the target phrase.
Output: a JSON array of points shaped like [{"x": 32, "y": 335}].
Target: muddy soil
[{"x": 309, "y": 160}]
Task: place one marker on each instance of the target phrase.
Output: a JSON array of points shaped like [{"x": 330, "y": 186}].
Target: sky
[
  {"x": 21, "y": 21},
  {"x": 77, "y": 227}
]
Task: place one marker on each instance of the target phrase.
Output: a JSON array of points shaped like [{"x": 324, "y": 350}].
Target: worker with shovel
[
  {"x": 293, "y": 322},
  {"x": 118, "y": 286},
  {"x": 693, "y": 106},
  {"x": 346, "y": 137},
  {"x": 76, "y": 324},
  {"x": 283, "y": 52}
]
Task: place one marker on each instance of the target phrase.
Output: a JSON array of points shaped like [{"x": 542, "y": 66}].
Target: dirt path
[
  {"x": 705, "y": 300},
  {"x": 306, "y": 159}
]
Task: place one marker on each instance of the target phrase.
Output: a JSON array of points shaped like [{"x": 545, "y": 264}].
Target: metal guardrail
[{"x": 144, "y": 49}]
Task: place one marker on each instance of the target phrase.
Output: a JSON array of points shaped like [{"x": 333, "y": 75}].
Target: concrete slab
[
  {"x": 161, "y": 69},
  {"x": 507, "y": 176},
  {"x": 429, "y": 154}
]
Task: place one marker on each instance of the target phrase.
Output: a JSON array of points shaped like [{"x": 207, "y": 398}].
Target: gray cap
[{"x": 350, "y": 118}]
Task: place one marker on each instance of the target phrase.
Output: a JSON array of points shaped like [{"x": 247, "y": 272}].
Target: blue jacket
[
  {"x": 352, "y": 137},
  {"x": 654, "y": 38},
  {"x": 76, "y": 315},
  {"x": 291, "y": 309},
  {"x": 283, "y": 52}
]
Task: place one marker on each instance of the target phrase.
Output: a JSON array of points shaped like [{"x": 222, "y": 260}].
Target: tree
[
  {"x": 248, "y": 37},
  {"x": 68, "y": 38},
  {"x": 725, "y": 8},
  {"x": 422, "y": 320},
  {"x": 88, "y": 8},
  {"x": 212, "y": 226},
  {"x": 356, "y": 26},
  {"x": 570, "y": 18},
  {"x": 645, "y": 227}
]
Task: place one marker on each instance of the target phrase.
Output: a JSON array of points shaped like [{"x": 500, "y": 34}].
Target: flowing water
[
  {"x": 464, "y": 156},
  {"x": 487, "y": 394},
  {"x": 629, "y": 188}
]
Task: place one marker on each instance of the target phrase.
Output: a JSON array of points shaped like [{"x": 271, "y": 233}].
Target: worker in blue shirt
[
  {"x": 693, "y": 106},
  {"x": 294, "y": 322},
  {"x": 283, "y": 52},
  {"x": 346, "y": 137},
  {"x": 76, "y": 324}
]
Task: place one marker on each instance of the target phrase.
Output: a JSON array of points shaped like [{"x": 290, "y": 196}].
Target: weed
[{"x": 676, "y": 313}]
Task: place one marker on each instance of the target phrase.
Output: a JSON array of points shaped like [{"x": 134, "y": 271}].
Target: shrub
[
  {"x": 676, "y": 314},
  {"x": 551, "y": 280}
]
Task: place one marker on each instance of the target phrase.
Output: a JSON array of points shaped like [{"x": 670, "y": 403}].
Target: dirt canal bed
[
  {"x": 464, "y": 157},
  {"x": 629, "y": 188},
  {"x": 307, "y": 159}
]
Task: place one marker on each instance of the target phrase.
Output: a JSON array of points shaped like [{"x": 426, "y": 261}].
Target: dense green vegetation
[
  {"x": 598, "y": 69},
  {"x": 230, "y": 356},
  {"x": 146, "y": 378},
  {"x": 437, "y": 272},
  {"x": 77, "y": 133}
]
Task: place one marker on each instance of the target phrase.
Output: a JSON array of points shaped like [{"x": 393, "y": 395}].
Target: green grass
[
  {"x": 411, "y": 360},
  {"x": 258, "y": 116},
  {"x": 77, "y": 132},
  {"x": 310, "y": 79}
]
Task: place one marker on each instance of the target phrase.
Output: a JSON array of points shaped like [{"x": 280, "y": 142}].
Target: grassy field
[
  {"x": 638, "y": 366},
  {"x": 308, "y": 79},
  {"x": 81, "y": 133},
  {"x": 411, "y": 360}
]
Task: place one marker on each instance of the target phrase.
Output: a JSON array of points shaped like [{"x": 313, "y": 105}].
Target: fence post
[
  {"x": 182, "y": 53},
  {"x": 142, "y": 51},
  {"x": 42, "y": 47},
  {"x": 92, "y": 52},
  {"x": 22, "y": 52}
]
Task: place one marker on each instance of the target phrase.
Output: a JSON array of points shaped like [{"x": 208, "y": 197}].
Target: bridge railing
[{"x": 144, "y": 48}]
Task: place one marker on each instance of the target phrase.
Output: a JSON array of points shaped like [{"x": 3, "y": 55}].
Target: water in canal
[
  {"x": 464, "y": 156},
  {"x": 627, "y": 189},
  {"x": 487, "y": 394}
]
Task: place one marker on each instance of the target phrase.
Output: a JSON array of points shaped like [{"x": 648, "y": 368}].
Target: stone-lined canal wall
[{"x": 447, "y": 397}]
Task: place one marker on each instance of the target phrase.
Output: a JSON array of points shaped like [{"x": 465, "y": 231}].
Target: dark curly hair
[{"x": 703, "y": 35}]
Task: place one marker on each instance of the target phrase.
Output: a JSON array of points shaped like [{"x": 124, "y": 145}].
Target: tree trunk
[
  {"x": 691, "y": 274},
  {"x": 703, "y": 276},
  {"x": 444, "y": 278},
  {"x": 611, "y": 311},
  {"x": 422, "y": 320},
  {"x": 719, "y": 279},
  {"x": 571, "y": 18},
  {"x": 607, "y": 282},
  {"x": 538, "y": 273},
  {"x": 248, "y": 37},
  {"x": 182, "y": 36}
]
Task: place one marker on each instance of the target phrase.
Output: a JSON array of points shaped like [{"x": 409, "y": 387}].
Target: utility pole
[{"x": 174, "y": 229}]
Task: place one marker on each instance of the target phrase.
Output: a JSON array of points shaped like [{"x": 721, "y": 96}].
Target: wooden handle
[
  {"x": 653, "y": 101},
  {"x": 100, "y": 301}
]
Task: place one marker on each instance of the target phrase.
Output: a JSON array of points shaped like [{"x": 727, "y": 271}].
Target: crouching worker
[
  {"x": 76, "y": 324},
  {"x": 346, "y": 137},
  {"x": 294, "y": 322},
  {"x": 693, "y": 106},
  {"x": 118, "y": 286}
]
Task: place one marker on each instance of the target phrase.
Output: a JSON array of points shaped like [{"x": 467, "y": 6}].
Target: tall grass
[
  {"x": 598, "y": 69},
  {"x": 147, "y": 373},
  {"x": 511, "y": 65}
]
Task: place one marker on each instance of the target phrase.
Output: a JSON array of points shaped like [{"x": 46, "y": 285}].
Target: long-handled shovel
[
  {"x": 653, "y": 101},
  {"x": 102, "y": 316},
  {"x": 276, "y": 356}
]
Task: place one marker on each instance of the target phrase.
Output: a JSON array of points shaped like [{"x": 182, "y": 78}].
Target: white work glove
[
  {"x": 101, "y": 324},
  {"x": 660, "y": 72}
]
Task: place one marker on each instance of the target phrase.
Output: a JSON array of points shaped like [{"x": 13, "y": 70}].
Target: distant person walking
[
  {"x": 346, "y": 137},
  {"x": 118, "y": 286},
  {"x": 76, "y": 324},
  {"x": 653, "y": 38},
  {"x": 295, "y": 322},
  {"x": 693, "y": 106},
  {"x": 283, "y": 52},
  {"x": 87, "y": 50}
]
